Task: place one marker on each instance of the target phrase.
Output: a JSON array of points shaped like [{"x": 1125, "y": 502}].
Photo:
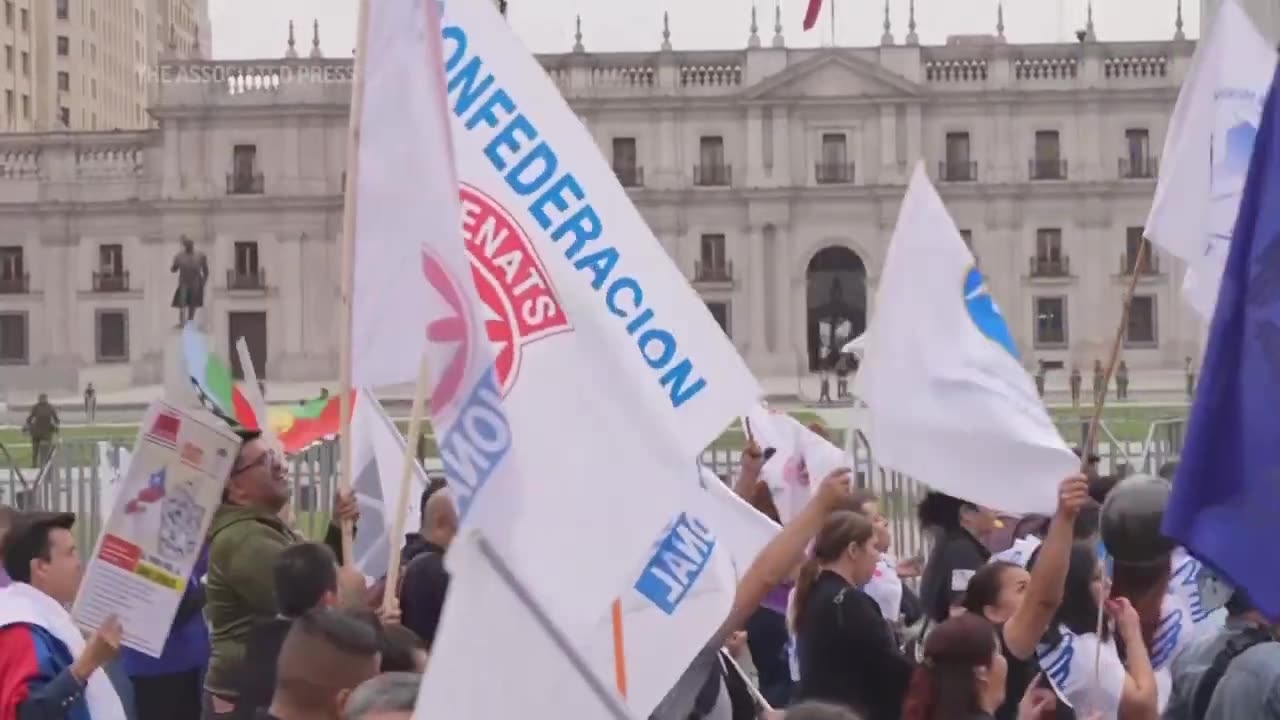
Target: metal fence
[{"x": 73, "y": 478}]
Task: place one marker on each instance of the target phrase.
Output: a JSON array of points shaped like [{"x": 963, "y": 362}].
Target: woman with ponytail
[{"x": 846, "y": 651}]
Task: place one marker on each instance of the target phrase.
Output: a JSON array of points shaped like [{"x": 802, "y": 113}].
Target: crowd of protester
[{"x": 825, "y": 625}]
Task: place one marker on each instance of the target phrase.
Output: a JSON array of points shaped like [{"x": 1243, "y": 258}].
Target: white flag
[
  {"x": 949, "y": 400},
  {"x": 1207, "y": 150},
  {"x": 741, "y": 529},
  {"x": 801, "y": 458},
  {"x": 573, "y": 368},
  {"x": 492, "y": 630},
  {"x": 377, "y": 461}
]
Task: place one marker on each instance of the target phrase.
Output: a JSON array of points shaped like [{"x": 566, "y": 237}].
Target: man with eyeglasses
[{"x": 245, "y": 538}]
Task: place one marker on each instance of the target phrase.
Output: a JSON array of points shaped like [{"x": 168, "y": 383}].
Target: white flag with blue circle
[{"x": 949, "y": 400}]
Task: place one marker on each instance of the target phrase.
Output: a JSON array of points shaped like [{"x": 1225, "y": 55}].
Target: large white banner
[
  {"x": 573, "y": 369},
  {"x": 1207, "y": 150},
  {"x": 800, "y": 461}
]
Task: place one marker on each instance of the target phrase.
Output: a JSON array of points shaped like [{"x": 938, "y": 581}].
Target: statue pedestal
[{"x": 178, "y": 390}]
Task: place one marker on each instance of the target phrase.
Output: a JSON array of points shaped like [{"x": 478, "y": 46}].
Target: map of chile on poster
[{"x": 153, "y": 536}]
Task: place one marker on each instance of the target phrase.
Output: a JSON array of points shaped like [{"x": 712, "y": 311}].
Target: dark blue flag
[{"x": 1225, "y": 506}]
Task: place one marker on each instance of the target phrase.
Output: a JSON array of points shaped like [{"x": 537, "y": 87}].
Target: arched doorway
[{"x": 836, "y": 307}]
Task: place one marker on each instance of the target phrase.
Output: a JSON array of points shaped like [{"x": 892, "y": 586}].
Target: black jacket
[
  {"x": 258, "y": 673},
  {"x": 423, "y": 585},
  {"x": 847, "y": 654},
  {"x": 957, "y": 554}
]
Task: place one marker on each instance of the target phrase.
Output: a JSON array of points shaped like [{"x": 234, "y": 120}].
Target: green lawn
[{"x": 1126, "y": 422}]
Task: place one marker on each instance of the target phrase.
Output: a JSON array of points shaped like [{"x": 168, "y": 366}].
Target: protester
[
  {"x": 1234, "y": 673},
  {"x": 706, "y": 676},
  {"x": 305, "y": 577},
  {"x": 424, "y": 581},
  {"x": 171, "y": 686},
  {"x": 1071, "y": 647},
  {"x": 768, "y": 639},
  {"x": 847, "y": 654},
  {"x": 963, "y": 673},
  {"x": 402, "y": 650},
  {"x": 389, "y": 696},
  {"x": 246, "y": 537},
  {"x": 1022, "y": 605},
  {"x": 47, "y": 670},
  {"x": 957, "y": 553},
  {"x": 326, "y": 655},
  {"x": 885, "y": 586}
]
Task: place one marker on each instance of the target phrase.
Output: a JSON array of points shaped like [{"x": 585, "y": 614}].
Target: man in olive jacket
[{"x": 245, "y": 538}]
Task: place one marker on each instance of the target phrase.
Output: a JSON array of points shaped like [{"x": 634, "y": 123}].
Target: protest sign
[{"x": 151, "y": 540}]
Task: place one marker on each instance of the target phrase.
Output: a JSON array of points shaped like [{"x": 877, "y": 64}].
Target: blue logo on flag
[
  {"x": 677, "y": 564},
  {"x": 984, "y": 313}
]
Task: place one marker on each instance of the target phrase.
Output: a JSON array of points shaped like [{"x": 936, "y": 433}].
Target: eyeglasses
[{"x": 267, "y": 458}]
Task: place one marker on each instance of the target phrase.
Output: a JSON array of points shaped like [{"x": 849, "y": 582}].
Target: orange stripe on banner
[{"x": 619, "y": 651}]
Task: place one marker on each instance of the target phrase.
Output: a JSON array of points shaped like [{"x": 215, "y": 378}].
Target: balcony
[
  {"x": 958, "y": 171},
  {"x": 111, "y": 282},
  {"x": 245, "y": 184},
  {"x": 1139, "y": 168},
  {"x": 251, "y": 280},
  {"x": 713, "y": 175},
  {"x": 1043, "y": 267},
  {"x": 1047, "y": 169},
  {"x": 833, "y": 173},
  {"x": 631, "y": 176},
  {"x": 1150, "y": 264},
  {"x": 15, "y": 284},
  {"x": 718, "y": 273}
]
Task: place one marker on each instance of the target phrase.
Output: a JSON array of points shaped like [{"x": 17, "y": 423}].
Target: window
[
  {"x": 958, "y": 166},
  {"x": 8, "y": 103},
  {"x": 720, "y": 311},
  {"x": 112, "y": 336},
  {"x": 64, "y": 115},
  {"x": 8, "y": 13},
  {"x": 8, "y": 57},
  {"x": 64, "y": 46},
  {"x": 1137, "y": 162},
  {"x": 624, "y": 162},
  {"x": 64, "y": 81},
  {"x": 1140, "y": 330},
  {"x": 244, "y": 178},
  {"x": 26, "y": 106},
  {"x": 63, "y": 9},
  {"x": 111, "y": 259},
  {"x": 711, "y": 263},
  {"x": 1047, "y": 164},
  {"x": 26, "y": 20},
  {"x": 13, "y": 338},
  {"x": 246, "y": 258},
  {"x": 11, "y": 262},
  {"x": 26, "y": 64},
  {"x": 1132, "y": 244},
  {"x": 834, "y": 166},
  {"x": 1051, "y": 321},
  {"x": 93, "y": 88},
  {"x": 1049, "y": 260},
  {"x": 711, "y": 169}
]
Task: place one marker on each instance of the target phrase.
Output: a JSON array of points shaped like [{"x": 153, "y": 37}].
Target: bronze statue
[{"x": 193, "y": 272}]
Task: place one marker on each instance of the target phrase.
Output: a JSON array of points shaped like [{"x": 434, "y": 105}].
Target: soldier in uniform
[
  {"x": 1076, "y": 380},
  {"x": 41, "y": 426},
  {"x": 1099, "y": 381},
  {"x": 193, "y": 271}
]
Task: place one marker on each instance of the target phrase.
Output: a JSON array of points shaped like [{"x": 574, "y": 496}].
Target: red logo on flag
[
  {"x": 166, "y": 427},
  {"x": 522, "y": 307},
  {"x": 519, "y": 306}
]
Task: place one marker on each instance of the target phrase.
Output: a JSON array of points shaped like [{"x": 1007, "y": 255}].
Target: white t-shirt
[
  {"x": 885, "y": 587},
  {"x": 1070, "y": 664}
]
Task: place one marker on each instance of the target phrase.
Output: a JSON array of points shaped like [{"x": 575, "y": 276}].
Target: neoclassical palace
[{"x": 771, "y": 174}]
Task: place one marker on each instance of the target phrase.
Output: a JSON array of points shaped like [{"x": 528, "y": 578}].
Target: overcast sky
[{"x": 259, "y": 28}]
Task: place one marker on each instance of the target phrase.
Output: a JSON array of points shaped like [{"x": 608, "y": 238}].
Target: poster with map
[{"x": 161, "y": 512}]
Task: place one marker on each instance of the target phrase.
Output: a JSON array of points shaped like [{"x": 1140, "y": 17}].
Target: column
[
  {"x": 754, "y": 156},
  {"x": 914, "y": 134},
  {"x": 755, "y": 295},
  {"x": 888, "y": 145}
]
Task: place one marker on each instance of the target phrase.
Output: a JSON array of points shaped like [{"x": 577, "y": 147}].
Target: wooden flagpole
[
  {"x": 348, "y": 268},
  {"x": 389, "y": 595},
  {"x": 1091, "y": 435}
]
